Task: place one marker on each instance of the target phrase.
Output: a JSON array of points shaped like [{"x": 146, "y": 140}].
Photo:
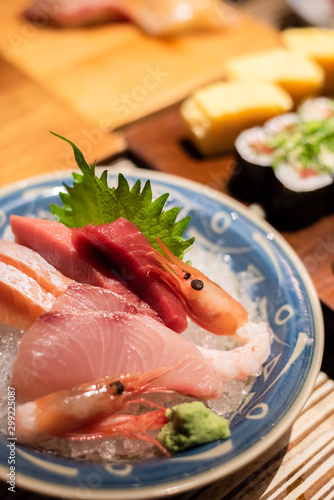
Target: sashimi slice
[
  {"x": 65, "y": 13},
  {"x": 120, "y": 246},
  {"x": 32, "y": 264},
  {"x": 52, "y": 240},
  {"x": 22, "y": 299},
  {"x": 158, "y": 17},
  {"x": 82, "y": 297},
  {"x": 63, "y": 350}
]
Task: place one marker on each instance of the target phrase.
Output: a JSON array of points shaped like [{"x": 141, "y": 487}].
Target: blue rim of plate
[{"x": 226, "y": 227}]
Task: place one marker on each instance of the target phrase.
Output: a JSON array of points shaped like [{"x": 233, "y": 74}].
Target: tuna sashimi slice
[
  {"x": 22, "y": 299},
  {"x": 33, "y": 264},
  {"x": 82, "y": 297},
  {"x": 120, "y": 246},
  {"x": 63, "y": 350},
  {"x": 52, "y": 240}
]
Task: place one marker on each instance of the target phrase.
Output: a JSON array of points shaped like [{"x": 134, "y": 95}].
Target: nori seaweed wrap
[
  {"x": 252, "y": 171},
  {"x": 288, "y": 165},
  {"x": 296, "y": 201}
]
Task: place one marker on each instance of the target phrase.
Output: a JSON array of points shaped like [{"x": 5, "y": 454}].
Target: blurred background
[
  {"x": 84, "y": 72},
  {"x": 110, "y": 75}
]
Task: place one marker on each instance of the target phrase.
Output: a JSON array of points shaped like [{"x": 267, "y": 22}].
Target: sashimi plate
[{"x": 285, "y": 295}]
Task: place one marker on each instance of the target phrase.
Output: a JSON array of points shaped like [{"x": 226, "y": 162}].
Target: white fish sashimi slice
[
  {"x": 63, "y": 350},
  {"x": 82, "y": 297}
]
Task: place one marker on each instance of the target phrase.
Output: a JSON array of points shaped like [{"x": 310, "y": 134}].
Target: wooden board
[
  {"x": 114, "y": 74},
  {"x": 27, "y": 114},
  {"x": 160, "y": 141}
]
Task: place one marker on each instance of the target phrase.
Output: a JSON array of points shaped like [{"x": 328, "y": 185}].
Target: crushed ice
[{"x": 122, "y": 447}]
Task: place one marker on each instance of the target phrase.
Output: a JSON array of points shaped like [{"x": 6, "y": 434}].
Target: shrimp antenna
[{"x": 175, "y": 260}]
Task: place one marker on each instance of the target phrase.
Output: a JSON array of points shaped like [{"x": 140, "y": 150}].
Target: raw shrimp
[
  {"x": 63, "y": 412},
  {"x": 246, "y": 359},
  {"x": 204, "y": 301},
  {"x": 127, "y": 425}
]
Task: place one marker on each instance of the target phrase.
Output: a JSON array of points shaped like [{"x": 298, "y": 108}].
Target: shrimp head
[
  {"x": 64, "y": 411},
  {"x": 205, "y": 302}
]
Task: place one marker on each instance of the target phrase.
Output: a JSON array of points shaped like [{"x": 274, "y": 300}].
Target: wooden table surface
[
  {"x": 301, "y": 465},
  {"x": 28, "y": 112},
  {"x": 113, "y": 74}
]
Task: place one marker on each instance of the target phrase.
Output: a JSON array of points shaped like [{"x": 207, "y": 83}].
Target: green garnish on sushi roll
[
  {"x": 306, "y": 145},
  {"x": 297, "y": 188}
]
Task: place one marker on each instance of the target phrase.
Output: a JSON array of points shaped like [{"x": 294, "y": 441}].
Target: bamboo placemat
[{"x": 300, "y": 466}]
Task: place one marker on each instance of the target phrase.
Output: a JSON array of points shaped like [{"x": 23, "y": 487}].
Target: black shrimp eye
[
  {"x": 186, "y": 276},
  {"x": 118, "y": 386},
  {"x": 197, "y": 284}
]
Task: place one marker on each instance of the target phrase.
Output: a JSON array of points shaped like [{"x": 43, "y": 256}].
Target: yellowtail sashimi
[
  {"x": 82, "y": 297},
  {"x": 64, "y": 350}
]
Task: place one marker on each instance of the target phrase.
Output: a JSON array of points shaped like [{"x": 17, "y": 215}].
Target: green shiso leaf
[{"x": 92, "y": 201}]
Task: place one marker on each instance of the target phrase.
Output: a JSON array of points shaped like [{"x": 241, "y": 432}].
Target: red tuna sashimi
[
  {"x": 120, "y": 246},
  {"x": 82, "y": 297},
  {"x": 33, "y": 264},
  {"x": 63, "y": 350},
  {"x": 52, "y": 240},
  {"x": 22, "y": 299}
]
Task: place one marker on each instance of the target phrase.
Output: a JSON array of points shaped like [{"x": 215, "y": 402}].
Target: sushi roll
[
  {"x": 280, "y": 123},
  {"x": 318, "y": 108},
  {"x": 253, "y": 165},
  {"x": 298, "y": 198},
  {"x": 303, "y": 163},
  {"x": 288, "y": 165}
]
